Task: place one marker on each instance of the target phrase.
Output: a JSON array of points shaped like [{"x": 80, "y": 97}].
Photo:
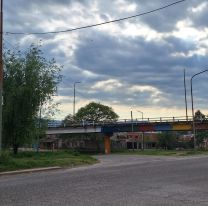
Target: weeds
[{"x": 26, "y": 160}]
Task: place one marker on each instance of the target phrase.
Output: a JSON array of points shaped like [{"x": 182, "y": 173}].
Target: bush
[
  {"x": 5, "y": 157},
  {"x": 166, "y": 141}
]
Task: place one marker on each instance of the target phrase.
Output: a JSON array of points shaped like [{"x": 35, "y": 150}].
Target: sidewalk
[{"x": 29, "y": 170}]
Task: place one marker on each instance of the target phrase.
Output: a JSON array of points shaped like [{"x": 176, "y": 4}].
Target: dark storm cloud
[
  {"x": 165, "y": 20},
  {"x": 140, "y": 62},
  {"x": 27, "y": 15},
  {"x": 107, "y": 55}
]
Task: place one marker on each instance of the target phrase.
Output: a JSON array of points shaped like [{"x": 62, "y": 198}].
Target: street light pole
[
  {"x": 192, "y": 105},
  {"x": 1, "y": 71},
  {"x": 132, "y": 126},
  {"x": 141, "y": 113},
  {"x": 184, "y": 82},
  {"x": 142, "y": 132},
  {"x": 74, "y": 98}
]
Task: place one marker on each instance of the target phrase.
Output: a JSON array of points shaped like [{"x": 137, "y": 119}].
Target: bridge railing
[
  {"x": 85, "y": 123},
  {"x": 169, "y": 119},
  {"x": 156, "y": 119},
  {"x": 134, "y": 121}
]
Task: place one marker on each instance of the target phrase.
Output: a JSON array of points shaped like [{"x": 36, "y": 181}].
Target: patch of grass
[
  {"x": 158, "y": 152},
  {"x": 28, "y": 160}
]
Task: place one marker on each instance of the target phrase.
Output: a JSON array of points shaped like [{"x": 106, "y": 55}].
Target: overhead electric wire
[{"x": 94, "y": 25}]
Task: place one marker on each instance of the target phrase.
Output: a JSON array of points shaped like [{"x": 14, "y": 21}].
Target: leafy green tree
[
  {"x": 201, "y": 136},
  {"x": 68, "y": 120},
  {"x": 199, "y": 116},
  {"x": 166, "y": 140},
  {"x": 96, "y": 112},
  {"x": 29, "y": 82}
]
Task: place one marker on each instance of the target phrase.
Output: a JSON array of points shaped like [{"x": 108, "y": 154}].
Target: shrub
[{"x": 5, "y": 157}]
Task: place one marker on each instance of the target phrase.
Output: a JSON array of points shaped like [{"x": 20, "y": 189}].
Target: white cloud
[
  {"x": 134, "y": 30},
  {"x": 191, "y": 53},
  {"x": 146, "y": 88},
  {"x": 88, "y": 73},
  {"x": 185, "y": 30},
  {"x": 199, "y": 8},
  {"x": 156, "y": 95},
  {"x": 107, "y": 85},
  {"x": 125, "y": 6}
]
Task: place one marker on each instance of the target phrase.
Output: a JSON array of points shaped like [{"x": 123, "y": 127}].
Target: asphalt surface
[{"x": 117, "y": 180}]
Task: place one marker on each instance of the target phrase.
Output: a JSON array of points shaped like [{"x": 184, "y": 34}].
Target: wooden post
[
  {"x": 1, "y": 70},
  {"x": 107, "y": 144}
]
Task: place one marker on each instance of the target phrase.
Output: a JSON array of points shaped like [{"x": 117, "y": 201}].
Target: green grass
[
  {"x": 157, "y": 152},
  {"x": 28, "y": 160}
]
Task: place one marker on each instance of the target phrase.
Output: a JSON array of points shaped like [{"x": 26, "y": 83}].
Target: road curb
[{"x": 29, "y": 170}]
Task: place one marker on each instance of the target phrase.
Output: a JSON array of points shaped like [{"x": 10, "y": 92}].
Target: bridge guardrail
[
  {"x": 85, "y": 123},
  {"x": 144, "y": 120}
]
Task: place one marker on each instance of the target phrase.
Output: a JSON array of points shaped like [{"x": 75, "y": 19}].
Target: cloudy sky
[{"x": 136, "y": 63}]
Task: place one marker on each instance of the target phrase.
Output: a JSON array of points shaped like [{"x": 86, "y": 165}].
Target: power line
[{"x": 94, "y": 25}]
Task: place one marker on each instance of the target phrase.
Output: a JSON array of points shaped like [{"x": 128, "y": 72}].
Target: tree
[
  {"x": 68, "y": 120},
  {"x": 201, "y": 136},
  {"x": 96, "y": 112},
  {"x": 29, "y": 82},
  {"x": 166, "y": 140},
  {"x": 199, "y": 116}
]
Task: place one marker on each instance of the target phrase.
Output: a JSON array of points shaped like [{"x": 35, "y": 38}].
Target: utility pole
[
  {"x": 142, "y": 114},
  {"x": 192, "y": 105},
  {"x": 1, "y": 71},
  {"x": 184, "y": 80},
  {"x": 132, "y": 129},
  {"x": 142, "y": 144},
  {"x": 132, "y": 126},
  {"x": 74, "y": 98},
  {"x": 193, "y": 119}
]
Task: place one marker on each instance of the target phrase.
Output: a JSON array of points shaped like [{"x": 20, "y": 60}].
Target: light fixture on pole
[
  {"x": 192, "y": 105},
  {"x": 142, "y": 114},
  {"x": 74, "y": 97}
]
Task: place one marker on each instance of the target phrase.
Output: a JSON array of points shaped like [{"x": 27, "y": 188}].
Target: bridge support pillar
[{"x": 107, "y": 144}]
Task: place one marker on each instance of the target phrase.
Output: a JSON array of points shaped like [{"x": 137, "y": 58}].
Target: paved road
[{"x": 117, "y": 180}]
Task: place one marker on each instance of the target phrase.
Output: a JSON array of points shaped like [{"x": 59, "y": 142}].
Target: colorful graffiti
[{"x": 153, "y": 127}]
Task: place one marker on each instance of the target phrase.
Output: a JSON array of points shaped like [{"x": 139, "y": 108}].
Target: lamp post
[
  {"x": 184, "y": 83},
  {"x": 141, "y": 113},
  {"x": 192, "y": 105},
  {"x": 132, "y": 126},
  {"x": 74, "y": 97},
  {"x": 142, "y": 132}
]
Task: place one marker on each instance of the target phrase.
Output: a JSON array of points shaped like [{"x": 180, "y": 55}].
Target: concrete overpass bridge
[{"x": 137, "y": 125}]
